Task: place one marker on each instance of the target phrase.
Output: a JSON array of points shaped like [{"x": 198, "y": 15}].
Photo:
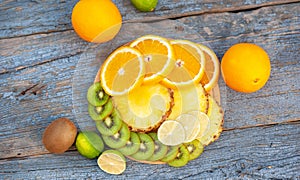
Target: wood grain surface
[{"x": 39, "y": 52}]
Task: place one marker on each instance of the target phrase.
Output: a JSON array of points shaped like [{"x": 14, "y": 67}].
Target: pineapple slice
[
  {"x": 189, "y": 99},
  {"x": 145, "y": 108},
  {"x": 216, "y": 118}
]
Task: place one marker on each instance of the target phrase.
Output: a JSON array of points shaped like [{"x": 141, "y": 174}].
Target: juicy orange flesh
[
  {"x": 123, "y": 71},
  {"x": 155, "y": 55},
  {"x": 187, "y": 65}
]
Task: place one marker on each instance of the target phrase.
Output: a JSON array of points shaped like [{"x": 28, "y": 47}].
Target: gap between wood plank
[
  {"x": 291, "y": 121},
  {"x": 40, "y": 63},
  {"x": 174, "y": 17}
]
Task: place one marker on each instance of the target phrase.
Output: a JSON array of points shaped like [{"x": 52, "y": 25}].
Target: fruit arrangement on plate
[{"x": 154, "y": 100}]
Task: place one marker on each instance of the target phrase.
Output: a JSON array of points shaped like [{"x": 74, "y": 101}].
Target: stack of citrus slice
[{"x": 163, "y": 108}]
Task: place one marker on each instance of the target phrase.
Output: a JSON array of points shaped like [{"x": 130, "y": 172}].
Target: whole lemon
[
  {"x": 96, "y": 21},
  {"x": 245, "y": 67}
]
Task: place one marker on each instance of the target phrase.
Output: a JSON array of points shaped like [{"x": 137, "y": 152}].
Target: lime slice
[
  {"x": 191, "y": 125},
  {"x": 171, "y": 133},
  {"x": 89, "y": 144},
  {"x": 204, "y": 122},
  {"x": 112, "y": 162}
]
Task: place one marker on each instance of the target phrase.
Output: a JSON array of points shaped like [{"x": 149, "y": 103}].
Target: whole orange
[
  {"x": 96, "y": 21},
  {"x": 245, "y": 67}
]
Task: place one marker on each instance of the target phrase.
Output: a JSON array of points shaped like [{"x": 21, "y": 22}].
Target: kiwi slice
[
  {"x": 96, "y": 96},
  {"x": 182, "y": 157},
  {"x": 195, "y": 149},
  {"x": 100, "y": 112},
  {"x": 171, "y": 153},
  {"x": 119, "y": 139},
  {"x": 132, "y": 145},
  {"x": 160, "y": 150},
  {"x": 146, "y": 149},
  {"x": 110, "y": 125}
]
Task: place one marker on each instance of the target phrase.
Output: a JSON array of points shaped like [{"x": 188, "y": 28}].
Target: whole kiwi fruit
[{"x": 59, "y": 136}]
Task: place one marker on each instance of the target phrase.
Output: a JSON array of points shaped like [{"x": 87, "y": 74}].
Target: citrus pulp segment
[
  {"x": 145, "y": 108},
  {"x": 189, "y": 64},
  {"x": 112, "y": 162},
  {"x": 212, "y": 68},
  {"x": 158, "y": 55},
  {"x": 215, "y": 115},
  {"x": 171, "y": 133},
  {"x": 122, "y": 71}
]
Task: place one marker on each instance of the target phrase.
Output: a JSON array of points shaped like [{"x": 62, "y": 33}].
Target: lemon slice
[
  {"x": 191, "y": 125},
  {"x": 212, "y": 68},
  {"x": 112, "y": 162},
  {"x": 158, "y": 54},
  {"x": 204, "y": 122},
  {"x": 122, "y": 71},
  {"x": 171, "y": 133},
  {"x": 189, "y": 64}
]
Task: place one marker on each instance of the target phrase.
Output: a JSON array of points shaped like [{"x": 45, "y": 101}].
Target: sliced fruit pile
[{"x": 152, "y": 101}]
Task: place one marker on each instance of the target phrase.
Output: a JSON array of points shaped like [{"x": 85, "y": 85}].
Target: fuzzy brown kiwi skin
[{"x": 163, "y": 118}]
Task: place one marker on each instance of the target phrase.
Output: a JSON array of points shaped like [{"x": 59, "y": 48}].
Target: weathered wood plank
[
  {"x": 32, "y": 17},
  {"x": 34, "y": 96},
  {"x": 255, "y": 153},
  {"x": 219, "y": 30}
]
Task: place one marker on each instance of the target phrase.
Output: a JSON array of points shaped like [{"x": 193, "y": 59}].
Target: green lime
[
  {"x": 89, "y": 144},
  {"x": 144, "y": 5},
  {"x": 112, "y": 162}
]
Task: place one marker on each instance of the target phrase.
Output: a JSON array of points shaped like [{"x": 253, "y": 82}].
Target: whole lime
[
  {"x": 89, "y": 144},
  {"x": 144, "y": 5}
]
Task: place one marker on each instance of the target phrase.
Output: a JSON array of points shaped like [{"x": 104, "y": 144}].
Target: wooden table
[{"x": 39, "y": 52}]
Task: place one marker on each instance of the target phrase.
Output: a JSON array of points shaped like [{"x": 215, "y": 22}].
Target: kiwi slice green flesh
[
  {"x": 110, "y": 125},
  {"x": 98, "y": 113},
  {"x": 96, "y": 96},
  {"x": 160, "y": 150},
  {"x": 195, "y": 149},
  {"x": 182, "y": 157},
  {"x": 146, "y": 149},
  {"x": 171, "y": 153},
  {"x": 119, "y": 139},
  {"x": 132, "y": 145}
]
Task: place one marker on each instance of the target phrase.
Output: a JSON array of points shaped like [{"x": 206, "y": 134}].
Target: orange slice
[
  {"x": 212, "y": 68},
  {"x": 122, "y": 71},
  {"x": 189, "y": 64},
  {"x": 158, "y": 55}
]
